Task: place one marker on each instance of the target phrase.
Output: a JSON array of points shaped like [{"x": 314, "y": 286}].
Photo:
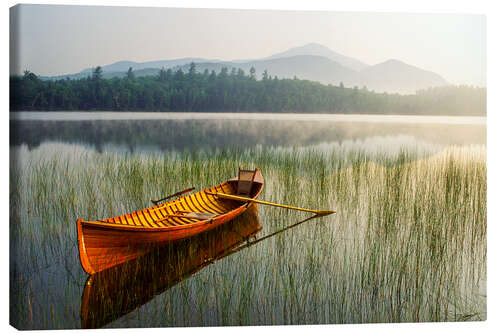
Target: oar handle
[{"x": 155, "y": 202}]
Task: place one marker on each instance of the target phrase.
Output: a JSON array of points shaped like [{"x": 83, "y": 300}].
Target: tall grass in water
[{"x": 408, "y": 243}]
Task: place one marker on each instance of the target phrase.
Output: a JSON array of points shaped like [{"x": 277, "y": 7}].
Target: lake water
[
  {"x": 79, "y": 116},
  {"x": 397, "y": 251},
  {"x": 159, "y": 132}
]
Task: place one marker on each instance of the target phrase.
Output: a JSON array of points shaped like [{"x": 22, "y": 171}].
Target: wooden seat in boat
[{"x": 246, "y": 179}]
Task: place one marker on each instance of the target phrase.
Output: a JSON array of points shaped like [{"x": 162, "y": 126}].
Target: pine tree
[{"x": 130, "y": 74}]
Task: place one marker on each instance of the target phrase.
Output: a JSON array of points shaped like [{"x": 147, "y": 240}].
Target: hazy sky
[{"x": 66, "y": 39}]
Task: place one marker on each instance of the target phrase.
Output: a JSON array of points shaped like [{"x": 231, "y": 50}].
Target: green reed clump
[{"x": 408, "y": 243}]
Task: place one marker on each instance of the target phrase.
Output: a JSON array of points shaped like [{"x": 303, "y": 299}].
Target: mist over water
[
  {"x": 81, "y": 116},
  {"x": 152, "y": 133}
]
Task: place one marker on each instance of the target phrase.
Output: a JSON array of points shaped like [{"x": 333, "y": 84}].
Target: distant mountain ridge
[
  {"x": 397, "y": 74},
  {"x": 312, "y": 61},
  {"x": 122, "y": 66},
  {"x": 322, "y": 51},
  {"x": 306, "y": 67}
]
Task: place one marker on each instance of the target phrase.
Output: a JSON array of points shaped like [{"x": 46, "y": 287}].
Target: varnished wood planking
[
  {"x": 106, "y": 243},
  {"x": 114, "y": 292}
]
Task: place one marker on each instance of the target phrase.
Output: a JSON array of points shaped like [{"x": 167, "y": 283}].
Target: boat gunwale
[{"x": 135, "y": 228}]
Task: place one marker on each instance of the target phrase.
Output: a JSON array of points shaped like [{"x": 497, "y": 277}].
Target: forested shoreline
[{"x": 231, "y": 91}]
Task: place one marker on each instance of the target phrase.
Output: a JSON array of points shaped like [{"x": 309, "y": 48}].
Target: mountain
[
  {"x": 389, "y": 76},
  {"x": 122, "y": 66},
  {"x": 105, "y": 74},
  {"x": 312, "y": 61},
  {"x": 306, "y": 67},
  {"x": 119, "y": 68},
  {"x": 396, "y": 76},
  {"x": 323, "y": 51}
]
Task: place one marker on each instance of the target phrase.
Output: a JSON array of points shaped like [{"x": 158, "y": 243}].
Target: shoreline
[{"x": 337, "y": 117}]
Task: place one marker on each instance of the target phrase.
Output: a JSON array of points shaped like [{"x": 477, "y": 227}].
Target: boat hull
[
  {"x": 104, "y": 245},
  {"x": 112, "y": 293}
]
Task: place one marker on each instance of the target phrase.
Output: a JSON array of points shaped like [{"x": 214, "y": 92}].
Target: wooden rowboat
[
  {"x": 114, "y": 292},
  {"x": 106, "y": 243}
]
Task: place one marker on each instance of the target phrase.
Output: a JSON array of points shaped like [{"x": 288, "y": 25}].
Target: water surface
[
  {"x": 407, "y": 221},
  {"x": 79, "y": 116},
  {"x": 159, "y": 132}
]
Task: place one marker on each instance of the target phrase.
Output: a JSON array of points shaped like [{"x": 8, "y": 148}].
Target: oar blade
[{"x": 325, "y": 212}]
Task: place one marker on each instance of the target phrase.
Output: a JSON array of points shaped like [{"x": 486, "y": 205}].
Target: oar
[
  {"x": 235, "y": 197},
  {"x": 251, "y": 243},
  {"x": 155, "y": 202}
]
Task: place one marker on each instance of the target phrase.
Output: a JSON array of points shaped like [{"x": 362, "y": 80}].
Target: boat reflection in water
[{"x": 114, "y": 292}]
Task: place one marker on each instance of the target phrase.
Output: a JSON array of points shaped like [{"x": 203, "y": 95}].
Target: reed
[{"x": 408, "y": 243}]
